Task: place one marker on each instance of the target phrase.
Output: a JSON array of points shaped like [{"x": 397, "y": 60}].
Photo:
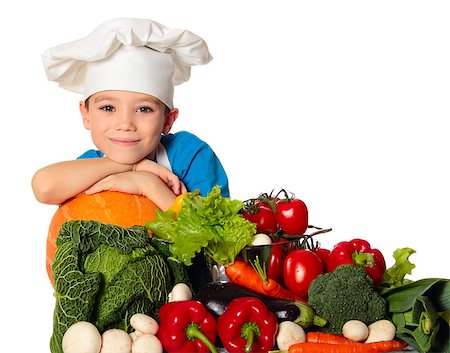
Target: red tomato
[
  {"x": 323, "y": 255},
  {"x": 276, "y": 261},
  {"x": 300, "y": 268},
  {"x": 263, "y": 217},
  {"x": 292, "y": 216}
]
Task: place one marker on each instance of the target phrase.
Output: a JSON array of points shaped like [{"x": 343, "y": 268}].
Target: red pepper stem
[
  {"x": 250, "y": 331},
  {"x": 193, "y": 332},
  {"x": 363, "y": 259},
  {"x": 307, "y": 316}
]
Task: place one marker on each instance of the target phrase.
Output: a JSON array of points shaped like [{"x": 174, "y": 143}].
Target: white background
[{"x": 344, "y": 103}]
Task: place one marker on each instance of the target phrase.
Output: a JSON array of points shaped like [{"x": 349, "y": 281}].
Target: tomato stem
[
  {"x": 319, "y": 230},
  {"x": 271, "y": 201}
]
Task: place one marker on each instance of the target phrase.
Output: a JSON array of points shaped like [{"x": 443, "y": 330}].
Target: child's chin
[{"x": 124, "y": 159}]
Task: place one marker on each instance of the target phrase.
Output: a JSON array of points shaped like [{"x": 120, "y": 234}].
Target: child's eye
[
  {"x": 107, "y": 108},
  {"x": 145, "y": 109}
]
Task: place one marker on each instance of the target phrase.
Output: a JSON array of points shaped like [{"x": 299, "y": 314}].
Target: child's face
[{"x": 126, "y": 126}]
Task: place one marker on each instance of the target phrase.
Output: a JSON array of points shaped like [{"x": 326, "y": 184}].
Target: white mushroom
[
  {"x": 144, "y": 323},
  {"x": 116, "y": 341},
  {"x": 381, "y": 330},
  {"x": 261, "y": 239},
  {"x": 180, "y": 291},
  {"x": 289, "y": 333},
  {"x": 134, "y": 336},
  {"x": 355, "y": 330},
  {"x": 147, "y": 343},
  {"x": 138, "y": 333},
  {"x": 82, "y": 337}
]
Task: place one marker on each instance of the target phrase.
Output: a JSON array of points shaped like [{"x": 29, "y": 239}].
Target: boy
[{"x": 126, "y": 69}]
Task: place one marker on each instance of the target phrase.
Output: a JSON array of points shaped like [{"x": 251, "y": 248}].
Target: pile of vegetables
[
  {"x": 279, "y": 291},
  {"x": 107, "y": 207},
  {"x": 104, "y": 274}
]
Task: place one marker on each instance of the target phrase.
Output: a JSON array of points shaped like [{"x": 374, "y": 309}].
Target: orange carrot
[
  {"x": 374, "y": 347},
  {"x": 325, "y": 337},
  {"x": 243, "y": 274},
  {"x": 246, "y": 276},
  {"x": 274, "y": 289}
]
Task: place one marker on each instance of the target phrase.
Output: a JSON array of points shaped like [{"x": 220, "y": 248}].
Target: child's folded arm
[
  {"x": 58, "y": 182},
  {"x": 138, "y": 183}
]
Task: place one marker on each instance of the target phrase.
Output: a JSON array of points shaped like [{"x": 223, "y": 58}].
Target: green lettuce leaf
[
  {"x": 212, "y": 223},
  {"x": 395, "y": 275}
]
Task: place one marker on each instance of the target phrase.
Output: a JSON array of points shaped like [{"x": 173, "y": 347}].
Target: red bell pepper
[
  {"x": 187, "y": 327},
  {"x": 358, "y": 252},
  {"x": 323, "y": 255},
  {"x": 247, "y": 325}
]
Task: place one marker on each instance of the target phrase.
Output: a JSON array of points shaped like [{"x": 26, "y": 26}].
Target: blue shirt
[{"x": 191, "y": 159}]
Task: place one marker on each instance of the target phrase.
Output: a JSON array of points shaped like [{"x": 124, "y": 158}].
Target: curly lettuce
[
  {"x": 395, "y": 276},
  {"x": 212, "y": 223}
]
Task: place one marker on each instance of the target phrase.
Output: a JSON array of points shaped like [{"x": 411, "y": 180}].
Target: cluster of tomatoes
[
  {"x": 272, "y": 214},
  {"x": 296, "y": 259},
  {"x": 285, "y": 219}
]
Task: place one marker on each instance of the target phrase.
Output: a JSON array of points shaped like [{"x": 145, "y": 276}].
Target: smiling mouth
[{"x": 124, "y": 142}]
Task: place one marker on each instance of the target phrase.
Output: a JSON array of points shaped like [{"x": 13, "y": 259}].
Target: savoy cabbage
[{"x": 104, "y": 274}]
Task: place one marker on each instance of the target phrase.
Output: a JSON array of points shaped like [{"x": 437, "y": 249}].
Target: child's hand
[
  {"x": 129, "y": 182},
  {"x": 137, "y": 183},
  {"x": 169, "y": 178}
]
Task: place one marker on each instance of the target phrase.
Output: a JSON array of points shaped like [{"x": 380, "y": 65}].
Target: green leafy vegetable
[
  {"x": 418, "y": 310},
  {"x": 104, "y": 274},
  {"x": 212, "y": 223},
  {"x": 395, "y": 275},
  {"x": 75, "y": 293},
  {"x": 140, "y": 278}
]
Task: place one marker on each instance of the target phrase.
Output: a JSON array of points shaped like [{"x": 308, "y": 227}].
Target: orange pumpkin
[{"x": 108, "y": 207}]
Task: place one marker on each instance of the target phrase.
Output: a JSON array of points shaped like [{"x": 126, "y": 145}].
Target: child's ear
[
  {"x": 85, "y": 115},
  {"x": 169, "y": 120}
]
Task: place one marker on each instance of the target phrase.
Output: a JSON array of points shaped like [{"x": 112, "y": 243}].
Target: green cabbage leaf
[{"x": 104, "y": 274}]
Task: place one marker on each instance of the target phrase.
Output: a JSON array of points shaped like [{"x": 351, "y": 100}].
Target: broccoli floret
[{"x": 345, "y": 294}]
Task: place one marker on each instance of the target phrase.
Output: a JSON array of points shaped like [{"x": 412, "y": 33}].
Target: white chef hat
[{"x": 127, "y": 54}]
